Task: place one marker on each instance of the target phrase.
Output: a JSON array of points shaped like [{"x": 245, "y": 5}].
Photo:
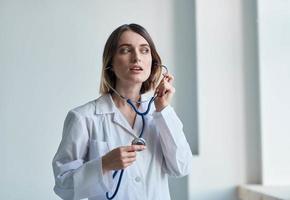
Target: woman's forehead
[{"x": 132, "y": 38}]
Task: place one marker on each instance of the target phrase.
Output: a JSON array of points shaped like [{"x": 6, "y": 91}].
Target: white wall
[
  {"x": 227, "y": 101},
  {"x": 49, "y": 52},
  {"x": 274, "y": 56}
]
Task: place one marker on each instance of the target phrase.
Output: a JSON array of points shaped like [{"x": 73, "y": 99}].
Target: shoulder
[{"x": 88, "y": 109}]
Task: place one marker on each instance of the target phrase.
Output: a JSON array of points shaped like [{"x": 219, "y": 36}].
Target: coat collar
[{"x": 105, "y": 105}]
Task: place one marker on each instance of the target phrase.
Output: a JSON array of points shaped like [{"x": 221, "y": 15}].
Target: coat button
[{"x": 138, "y": 179}]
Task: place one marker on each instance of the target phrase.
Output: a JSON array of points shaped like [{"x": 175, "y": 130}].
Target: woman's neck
[{"x": 132, "y": 93}]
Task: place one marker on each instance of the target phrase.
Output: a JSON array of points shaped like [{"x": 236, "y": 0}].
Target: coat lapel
[
  {"x": 105, "y": 105},
  {"x": 119, "y": 119}
]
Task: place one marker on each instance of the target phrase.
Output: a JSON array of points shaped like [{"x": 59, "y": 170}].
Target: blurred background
[{"x": 230, "y": 59}]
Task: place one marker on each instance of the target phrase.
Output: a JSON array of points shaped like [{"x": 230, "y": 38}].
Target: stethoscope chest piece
[{"x": 139, "y": 141}]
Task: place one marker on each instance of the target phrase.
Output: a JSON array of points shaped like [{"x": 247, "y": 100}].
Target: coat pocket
[{"x": 98, "y": 149}]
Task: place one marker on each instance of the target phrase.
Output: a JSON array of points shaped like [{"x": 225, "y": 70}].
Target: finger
[
  {"x": 160, "y": 84},
  {"x": 130, "y": 154},
  {"x": 166, "y": 87},
  {"x": 128, "y": 148},
  {"x": 169, "y": 78},
  {"x": 138, "y": 147},
  {"x": 134, "y": 148},
  {"x": 171, "y": 89},
  {"x": 123, "y": 152},
  {"x": 125, "y": 163},
  {"x": 157, "y": 91},
  {"x": 160, "y": 88},
  {"x": 125, "y": 155},
  {"x": 168, "y": 75},
  {"x": 129, "y": 160}
]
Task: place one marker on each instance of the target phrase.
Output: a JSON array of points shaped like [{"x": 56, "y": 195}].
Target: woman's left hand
[{"x": 164, "y": 92}]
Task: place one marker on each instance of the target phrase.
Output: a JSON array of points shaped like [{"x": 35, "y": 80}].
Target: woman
[{"x": 97, "y": 136}]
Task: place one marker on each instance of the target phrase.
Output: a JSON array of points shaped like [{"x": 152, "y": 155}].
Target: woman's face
[{"x": 132, "y": 61}]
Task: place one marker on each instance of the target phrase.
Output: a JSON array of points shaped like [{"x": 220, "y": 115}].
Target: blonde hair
[{"x": 108, "y": 77}]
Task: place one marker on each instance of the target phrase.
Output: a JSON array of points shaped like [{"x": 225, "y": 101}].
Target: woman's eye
[
  {"x": 125, "y": 50},
  {"x": 145, "y": 51}
]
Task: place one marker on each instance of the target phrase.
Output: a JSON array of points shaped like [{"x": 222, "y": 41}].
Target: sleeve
[
  {"x": 75, "y": 177},
  {"x": 175, "y": 148}
]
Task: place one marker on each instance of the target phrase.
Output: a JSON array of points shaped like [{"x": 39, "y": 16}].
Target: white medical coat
[{"x": 92, "y": 130}]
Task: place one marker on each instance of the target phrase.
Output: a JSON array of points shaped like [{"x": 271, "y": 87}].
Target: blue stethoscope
[{"x": 138, "y": 140}]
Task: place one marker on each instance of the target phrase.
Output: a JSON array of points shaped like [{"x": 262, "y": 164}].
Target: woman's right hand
[{"x": 120, "y": 157}]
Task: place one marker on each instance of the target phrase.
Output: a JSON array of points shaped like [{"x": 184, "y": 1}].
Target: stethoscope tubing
[{"x": 142, "y": 114}]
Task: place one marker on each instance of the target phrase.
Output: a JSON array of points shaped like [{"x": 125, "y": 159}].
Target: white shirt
[{"x": 92, "y": 130}]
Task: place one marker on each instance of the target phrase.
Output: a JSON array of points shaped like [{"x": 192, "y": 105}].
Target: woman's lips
[{"x": 136, "y": 68}]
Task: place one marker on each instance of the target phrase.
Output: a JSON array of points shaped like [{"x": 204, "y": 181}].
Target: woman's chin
[{"x": 138, "y": 80}]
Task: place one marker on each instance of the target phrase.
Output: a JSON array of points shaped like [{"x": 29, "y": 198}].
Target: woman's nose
[{"x": 136, "y": 56}]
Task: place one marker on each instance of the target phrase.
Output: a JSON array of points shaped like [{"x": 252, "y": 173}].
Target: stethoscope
[{"x": 138, "y": 140}]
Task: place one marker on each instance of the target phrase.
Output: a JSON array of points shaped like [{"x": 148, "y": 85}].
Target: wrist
[
  {"x": 104, "y": 165},
  {"x": 159, "y": 109}
]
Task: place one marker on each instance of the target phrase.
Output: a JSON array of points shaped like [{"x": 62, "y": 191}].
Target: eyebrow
[{"x": 142, "y": 45}]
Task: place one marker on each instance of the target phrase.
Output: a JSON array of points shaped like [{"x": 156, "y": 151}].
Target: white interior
[{"x": 50, "y": 61}]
